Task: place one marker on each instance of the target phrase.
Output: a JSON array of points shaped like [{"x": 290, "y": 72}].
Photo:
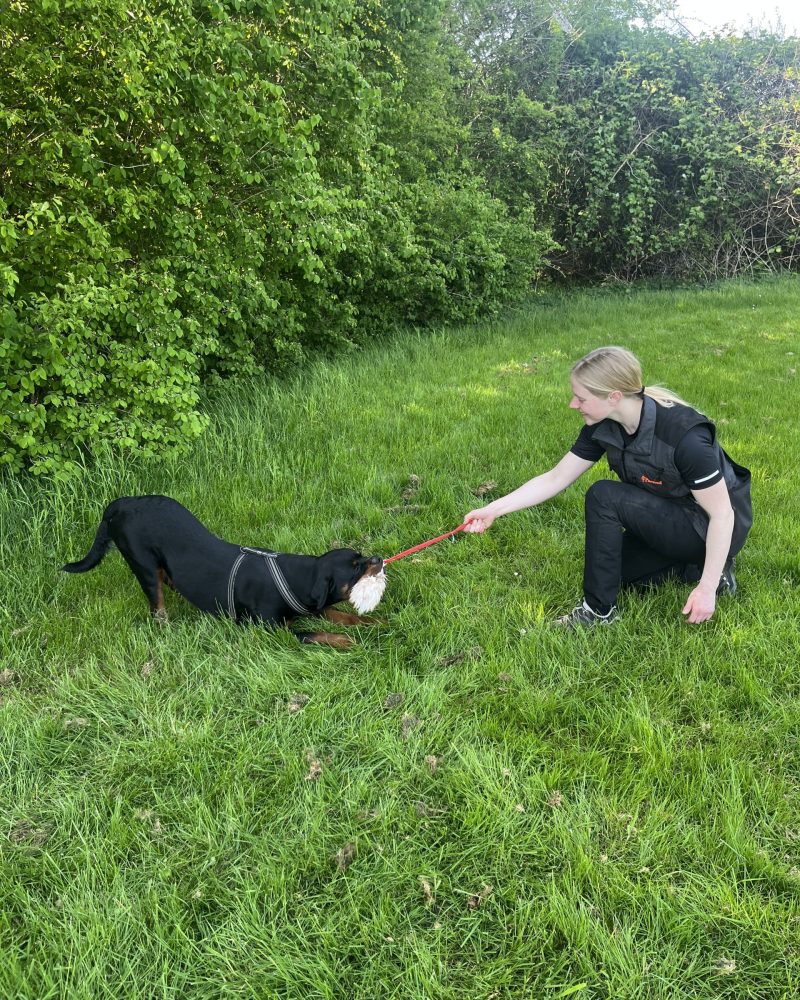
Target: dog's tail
[{"x": 101, "y": 544}]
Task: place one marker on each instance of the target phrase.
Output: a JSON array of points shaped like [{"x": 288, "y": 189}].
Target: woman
[{"x": 682, "y": 506}]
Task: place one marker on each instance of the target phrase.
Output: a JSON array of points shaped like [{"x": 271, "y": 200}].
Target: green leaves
[
  {"x": 195, "y": 191},
  {"x": 678, "y": 156},
  {"x": 198, "y": 191}
]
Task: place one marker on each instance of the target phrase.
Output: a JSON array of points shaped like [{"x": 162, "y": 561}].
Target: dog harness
[{"x": 271, "y": 559}]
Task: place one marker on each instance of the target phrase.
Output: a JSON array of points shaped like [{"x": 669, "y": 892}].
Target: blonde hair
[{"x": 615, "y": 369}]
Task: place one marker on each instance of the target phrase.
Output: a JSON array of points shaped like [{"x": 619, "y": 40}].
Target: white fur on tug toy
[{"x": 366, "y": 594}]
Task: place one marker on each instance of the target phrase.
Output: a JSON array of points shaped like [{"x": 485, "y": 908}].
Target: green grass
[{"x": 612, "y": 814}]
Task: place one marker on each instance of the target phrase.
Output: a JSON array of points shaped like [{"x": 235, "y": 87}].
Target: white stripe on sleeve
[{"x": 705, "y": 479}]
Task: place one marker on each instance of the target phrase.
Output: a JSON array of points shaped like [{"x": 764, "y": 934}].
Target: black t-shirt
[{"x": 696, "y": 458}]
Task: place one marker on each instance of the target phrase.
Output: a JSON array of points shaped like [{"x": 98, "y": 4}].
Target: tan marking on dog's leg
[
  {"x": 343, "y": 617},
  {"x": 334, "y": 639},
  {"x": 157, "y": 609},
  {"x": 346, "y": 618}
]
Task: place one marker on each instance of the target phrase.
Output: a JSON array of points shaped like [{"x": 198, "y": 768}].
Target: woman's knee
[{"x": 604, "y": 495}]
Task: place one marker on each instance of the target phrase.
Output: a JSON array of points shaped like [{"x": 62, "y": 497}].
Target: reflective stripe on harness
[{"x": 271, "y": 559}]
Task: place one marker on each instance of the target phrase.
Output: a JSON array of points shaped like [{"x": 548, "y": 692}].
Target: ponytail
[{"x": 616, "y": 369}]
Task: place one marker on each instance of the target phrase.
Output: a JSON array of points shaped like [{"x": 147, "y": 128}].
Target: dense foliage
[
  {"x": 191, "y": 190},
  {"x": 649, "y": 152},
  {"x": 685, "y": 157},
  {"x": 196, "y": 189}
]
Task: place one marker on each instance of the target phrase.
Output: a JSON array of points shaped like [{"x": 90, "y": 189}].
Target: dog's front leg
[
  {"x": 334, "y": 639},
  {"x": 345, "y": 618}
]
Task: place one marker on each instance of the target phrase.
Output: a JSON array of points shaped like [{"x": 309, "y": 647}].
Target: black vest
[{"x": 648, "y": 461}]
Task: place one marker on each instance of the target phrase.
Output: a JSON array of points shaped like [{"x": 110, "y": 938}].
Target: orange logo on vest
[{"x": 652, "y": 482}]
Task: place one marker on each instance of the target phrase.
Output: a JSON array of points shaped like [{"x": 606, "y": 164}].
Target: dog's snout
[{"x": 376, "y": 561}]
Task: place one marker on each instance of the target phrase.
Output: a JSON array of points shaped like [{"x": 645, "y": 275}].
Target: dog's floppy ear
[{"x": 322, "y": 591}]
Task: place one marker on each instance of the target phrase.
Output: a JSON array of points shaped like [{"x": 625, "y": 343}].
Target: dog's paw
[
  {"x": 370, "y": 620},
  {"x": 346, "y": 618},
  {"x": 334, "y": 639}
]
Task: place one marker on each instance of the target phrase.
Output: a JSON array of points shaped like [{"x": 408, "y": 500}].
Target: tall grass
[{"x": 502, "y": 810}]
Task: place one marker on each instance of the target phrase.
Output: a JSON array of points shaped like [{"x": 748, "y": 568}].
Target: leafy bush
[
  {"x": 160, "y": 205},
  {"x": 684, "y": 157},
  {"x": 200, "y": 189},
  {"x": 193, "y": 190}
]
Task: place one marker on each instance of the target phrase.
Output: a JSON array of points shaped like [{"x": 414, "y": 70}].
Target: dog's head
[{"x": 346, "y": 575}]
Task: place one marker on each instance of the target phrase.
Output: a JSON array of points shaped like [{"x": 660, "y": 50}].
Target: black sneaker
[
  {"x": 727, "y": 582},
  {"x": 691, "y": 573},
  {"x": 584, "y": 617}
]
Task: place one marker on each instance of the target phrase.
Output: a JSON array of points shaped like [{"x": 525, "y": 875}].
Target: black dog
[{"x": 163, "y": 542}]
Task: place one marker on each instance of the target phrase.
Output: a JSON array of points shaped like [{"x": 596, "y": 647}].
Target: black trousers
[{"x": 634, "y": 539}]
